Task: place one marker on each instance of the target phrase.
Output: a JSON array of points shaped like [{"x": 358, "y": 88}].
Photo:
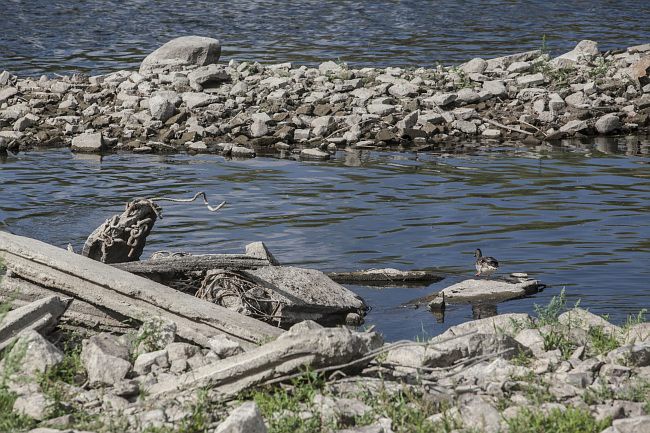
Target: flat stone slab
[
  {"x": 489, "y": 290},
  {"x": 306, "y": 294}
]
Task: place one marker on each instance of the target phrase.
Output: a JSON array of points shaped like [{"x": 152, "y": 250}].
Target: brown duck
[{"x": 485, "y": 265}]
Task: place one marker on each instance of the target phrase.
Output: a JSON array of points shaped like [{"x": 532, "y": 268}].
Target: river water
[
  {"x": 63, "y": 36},
  {"x": 575, "y": 217}
]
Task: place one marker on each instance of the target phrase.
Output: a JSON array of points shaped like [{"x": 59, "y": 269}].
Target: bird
[{"x": 485, "y": 265}]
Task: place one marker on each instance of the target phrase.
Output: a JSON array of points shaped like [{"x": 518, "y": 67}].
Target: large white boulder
[{"x": 183, "y": 51}]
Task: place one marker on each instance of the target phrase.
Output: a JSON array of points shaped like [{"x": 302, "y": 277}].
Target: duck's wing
[{"x": 490, "y": 261}]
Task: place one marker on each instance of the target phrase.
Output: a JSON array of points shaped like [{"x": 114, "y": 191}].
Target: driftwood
[
  {"x": 41, "y": 315},
  {"x": 126, "y": 294},
  {"x": 385, "y": 277},
  {"x": 190, "y": 263},
  {"x": 306, "y": 345}
]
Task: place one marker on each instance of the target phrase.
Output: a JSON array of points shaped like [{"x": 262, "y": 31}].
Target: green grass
[
  {"x": 634, "y": 320},
  {"x": 534, "y": 388},
  {"x": 548, "y": 314},
  {"x": 281, "y": 406},
  {"x": 278, "y": 400},
  {"x": 10, "y": 421},
  {"x": 570, "y": 420},
  {"x": 598, "y": 395},
  {"x": 600, "y": 68},
  {"x": 638, "y": 391},
  {"x": 463, "y": 79},
  {"x": 601, "y": 342},
  {"x": 558, "y": 338},
  {"x": 522, "y": 358},
  {"x": 408, "y": 411}
]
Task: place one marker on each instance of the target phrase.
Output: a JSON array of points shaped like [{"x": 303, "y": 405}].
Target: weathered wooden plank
[
  {"x": 125, "y": 293},
  {"x": 193, "y": 263}
]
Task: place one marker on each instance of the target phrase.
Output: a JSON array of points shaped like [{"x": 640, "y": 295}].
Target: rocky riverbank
[
  {"x": 182, "y": 99},
  {"x": 565, "y": 370}
]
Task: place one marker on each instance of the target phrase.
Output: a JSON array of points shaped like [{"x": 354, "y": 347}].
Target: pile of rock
[
  {"x": 477, "y": 376},
  {"x": 182, "y": 100}
]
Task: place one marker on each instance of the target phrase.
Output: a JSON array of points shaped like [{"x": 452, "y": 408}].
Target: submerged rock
[{"x": 489, "y": 290}]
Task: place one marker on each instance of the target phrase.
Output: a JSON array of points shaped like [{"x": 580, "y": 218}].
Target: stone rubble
[
  {"x": 486, "y": 371},
  {"x": 182, "y": 100}
]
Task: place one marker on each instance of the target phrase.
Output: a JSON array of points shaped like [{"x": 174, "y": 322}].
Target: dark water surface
[
  {"x": 64, "y": 36},
  {"x": 577, "y": 217}
]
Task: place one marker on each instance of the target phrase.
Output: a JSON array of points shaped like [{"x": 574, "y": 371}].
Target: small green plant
[
  {"x": 10, "y": 421},
  {"x": 601, "y": 341},
  {"x": 408, "y": 411},
  {"x": 598, "y": 395},
  {"x": 557, "y": 338},
  {"x": 70, "y": 370},
  {"x": 544, "y": 46},
  {"x": 535, "y": 389},
  {"x": 198, "y": 421},
  {"x": 638, "y": 391},
  {"x": 149, "y": 336},
  {"x": 548, "y": 315},
  {"x": 281, "y": 406},
  {"x": 6, "y": 305},
  {"x": 570, "y": 420},
  {"x": 634, "y": 320},
  {"x": 462, "y": 79},
  {"x": 600, "y": 68},
  {"x": 522, "y": 358}
]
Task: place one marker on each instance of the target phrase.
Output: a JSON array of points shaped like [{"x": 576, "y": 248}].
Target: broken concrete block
[
  {"x": 42, "y": 315},
  {"x": 105, "y": 359},
  {"x": 306, "y": 294}
]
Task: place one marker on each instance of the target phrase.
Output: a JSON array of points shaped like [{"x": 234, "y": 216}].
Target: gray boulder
[
  {"x": 608, "y": 123},
  {"x": 7, "y": 93},
  {"x": 88, "y": 142},
  {"x": 32, "y": 353},
  {"x": 35, "y": 405},
  {"x": 144, "y": 362},
  {"x": 162, "y": 105},
  {"x": 443, "y": 353},
  {"x": 105, "y": 359},
  {"x": 474, "y": 66},
  {"x": 481, "y": 415},
  {"x": 245, "y": 419},
  {"x": 206, "y": 76},
  {"x": 585, "y": 50},
  {"x": 503, "y": 323},
  {"x": 639, "y": 424},
  {"x": 315, "y": 154},
  {"x": 183, "y": 51},
  {"x": 224, "y": 347},
  {"x": 574, "y": 126},
  {"x": 585, "y": 320}
]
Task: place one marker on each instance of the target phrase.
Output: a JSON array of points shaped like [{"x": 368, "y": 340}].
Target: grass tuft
[{"x": 570, "y": 420}]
